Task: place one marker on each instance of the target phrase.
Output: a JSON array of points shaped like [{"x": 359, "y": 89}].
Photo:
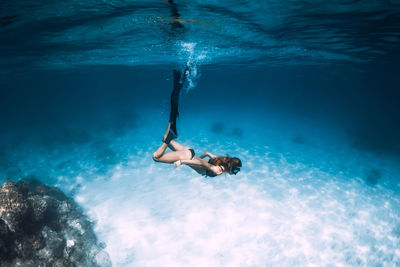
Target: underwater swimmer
[{"x": 185, "y": 155}]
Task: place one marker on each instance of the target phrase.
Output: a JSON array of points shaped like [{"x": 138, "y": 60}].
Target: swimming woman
[{"x": 185, "y": 155}]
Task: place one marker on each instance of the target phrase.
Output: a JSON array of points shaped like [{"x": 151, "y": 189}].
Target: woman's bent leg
[
  {"x": 161, "y": 156},
  {"x": 175, "y": 146},
  {"x": 171, "y": 157},
  {"x": 160, "y": 151}
]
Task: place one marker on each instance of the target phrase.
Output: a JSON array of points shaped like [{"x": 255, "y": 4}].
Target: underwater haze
[{"x": 305, "y": 93}]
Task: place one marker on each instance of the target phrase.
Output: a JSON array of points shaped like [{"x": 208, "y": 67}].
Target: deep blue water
[{"x": 306, "y": 93}]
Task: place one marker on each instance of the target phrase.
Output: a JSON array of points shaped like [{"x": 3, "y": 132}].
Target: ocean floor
[{"x": 304, "y": 197}]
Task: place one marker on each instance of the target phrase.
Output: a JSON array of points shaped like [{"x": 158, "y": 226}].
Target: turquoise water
[{"x": 305, "y": 93}]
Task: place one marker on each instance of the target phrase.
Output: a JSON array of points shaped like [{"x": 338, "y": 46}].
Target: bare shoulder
[{"x": 216, "y": 169}]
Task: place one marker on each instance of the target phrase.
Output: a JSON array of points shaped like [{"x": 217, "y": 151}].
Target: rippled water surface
[{"x": 48, "y": 33}]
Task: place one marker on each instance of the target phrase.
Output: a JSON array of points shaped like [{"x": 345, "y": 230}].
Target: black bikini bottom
[{"x": 192, "y": 151}]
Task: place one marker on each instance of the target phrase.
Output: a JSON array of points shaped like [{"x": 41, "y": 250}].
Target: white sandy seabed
[{"x": 293, "y": 204}]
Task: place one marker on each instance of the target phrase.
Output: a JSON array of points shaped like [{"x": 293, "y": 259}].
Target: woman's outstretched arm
[
  {"x": 195, "y": 162},
  {"x": 199, "y": 163}
]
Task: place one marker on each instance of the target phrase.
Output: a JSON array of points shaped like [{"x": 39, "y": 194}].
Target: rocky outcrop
[{"x": 41, "y": 226}]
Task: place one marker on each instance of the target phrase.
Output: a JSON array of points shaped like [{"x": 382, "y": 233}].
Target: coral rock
[{"x": 41, "y": 226}]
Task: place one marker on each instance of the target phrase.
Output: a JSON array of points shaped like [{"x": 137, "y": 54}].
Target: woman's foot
[{"x": 169, "y": 135}]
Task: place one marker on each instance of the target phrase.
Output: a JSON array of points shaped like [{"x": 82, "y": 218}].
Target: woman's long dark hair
[{"x": 230, "y": 164}]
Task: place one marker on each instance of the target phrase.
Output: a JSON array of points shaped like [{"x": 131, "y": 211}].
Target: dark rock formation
[
  {"x": 237, "y": 132},
  {"x": 373, "y": 176},
  {"x": 41, "y": 226},
  {"x": 217, "y": 127},
  {"x": 299, "y": 139}
]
